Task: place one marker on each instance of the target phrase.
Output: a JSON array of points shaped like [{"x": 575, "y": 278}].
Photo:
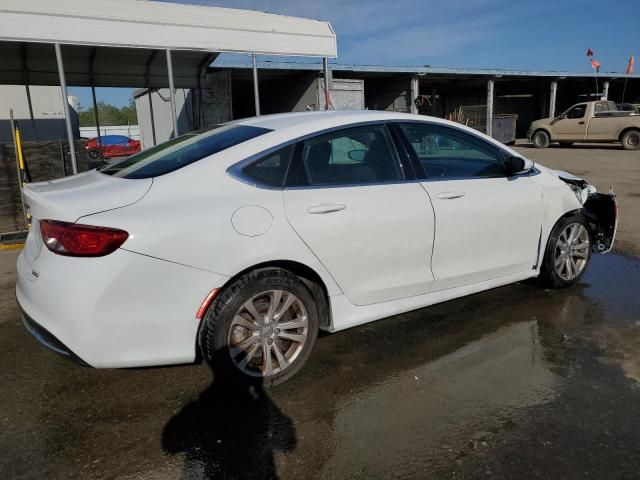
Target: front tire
[
  {"x": 631, "y": 140},
  {"x": 567, "y": 254},
  {"x": 260, "y": 329},
  {"x": 94, "y": 154},
  {"x": 541, "y": 139}
]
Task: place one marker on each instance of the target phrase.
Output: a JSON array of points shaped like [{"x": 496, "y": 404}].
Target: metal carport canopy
[{"x": 114, "y": 42}]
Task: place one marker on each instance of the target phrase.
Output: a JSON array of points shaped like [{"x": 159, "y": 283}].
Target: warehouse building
[{"x": 458, "y": 93}]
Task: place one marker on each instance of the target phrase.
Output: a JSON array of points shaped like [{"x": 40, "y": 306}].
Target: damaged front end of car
[{"x": 600, "y": 210}]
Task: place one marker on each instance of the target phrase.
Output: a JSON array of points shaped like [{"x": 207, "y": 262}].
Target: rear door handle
[
  {"x": 450, "y": 195},
  {"x": 326, "y": 208},
  {"x": 581, "y": 123}
]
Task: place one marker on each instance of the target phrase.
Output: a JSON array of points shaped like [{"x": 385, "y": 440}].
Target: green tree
[{"x": 109, "y": 115}]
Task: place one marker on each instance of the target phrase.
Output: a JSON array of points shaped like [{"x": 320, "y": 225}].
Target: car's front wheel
[
  {"x": 567, "y": 254},
  {"x": 260, "y": 329}
]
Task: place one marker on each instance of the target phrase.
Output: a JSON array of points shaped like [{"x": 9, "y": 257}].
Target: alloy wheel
[
  {"x": 268, "y": 333},
  {"x": 572, "y": 251}
]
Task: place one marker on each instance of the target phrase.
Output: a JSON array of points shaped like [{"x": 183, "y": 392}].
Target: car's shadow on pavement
[
  {"x": 575, "y": 146},
  {"x": 229, "y": 431}
]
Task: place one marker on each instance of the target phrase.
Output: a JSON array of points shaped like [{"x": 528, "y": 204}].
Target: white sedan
[{"x": 243, "y": 240}]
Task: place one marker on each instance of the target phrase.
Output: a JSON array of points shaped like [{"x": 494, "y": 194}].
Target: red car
[{"x": 112, "y": 146}]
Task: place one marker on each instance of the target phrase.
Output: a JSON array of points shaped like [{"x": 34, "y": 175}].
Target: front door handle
[
  {"x": 450, "y": 195},
  {"x": 326, "y": 208}
]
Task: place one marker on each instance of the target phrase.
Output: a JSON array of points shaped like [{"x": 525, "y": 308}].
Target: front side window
[
  {"x": 351, "y": 156},
  {"x": 182, "y": 151},
  {"x": 576, "y": 112},
  {"x": 450, "y": 153}
]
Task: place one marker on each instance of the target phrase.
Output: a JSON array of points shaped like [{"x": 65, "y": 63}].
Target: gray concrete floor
[{"x": 517, "y": 382}]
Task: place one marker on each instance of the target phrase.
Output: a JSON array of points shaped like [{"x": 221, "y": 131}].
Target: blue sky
[{"x": 520, "y": 34}]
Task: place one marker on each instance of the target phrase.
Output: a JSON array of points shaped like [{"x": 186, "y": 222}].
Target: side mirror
[
  {"x": 515, "y": 165},
  {"x": 357, "y": 155}
]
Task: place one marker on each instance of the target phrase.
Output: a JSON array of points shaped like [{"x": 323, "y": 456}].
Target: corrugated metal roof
[
  {"x": 418, "y": 70},
  {"x": 149, "y": 24}
]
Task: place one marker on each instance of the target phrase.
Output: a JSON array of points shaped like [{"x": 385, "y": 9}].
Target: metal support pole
[
  {"x": 327, "y": 74},
  {"x": 25, "y": 76},
  {"x": 172, "y": 94},
  {"x": 256, "y": 91},
  {"x": 415, "y": 91},
  {"x": 552, "y": 99},
  {"x": 96, "y": 117},
  {"x": 490, "y": 107},
  {"x": 67, "y": 109},
  {"x": 605, "y": 90},
  {"x": 153, "y": 122}
]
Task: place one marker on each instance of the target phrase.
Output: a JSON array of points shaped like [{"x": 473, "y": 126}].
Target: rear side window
[
  {"x": 270, "y": 170},
  {"x": 182, "y": 151},
  {"x": 351, "y": 156}
]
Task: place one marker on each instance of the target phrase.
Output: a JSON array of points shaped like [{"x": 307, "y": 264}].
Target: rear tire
[
  {"x": 260, "y": 329},
  {"x": 94, "y": 154},
  {"x": 541, "y": 139},
  {"x": 567, "y": 254},
  {"x": 631, "y": 140}
]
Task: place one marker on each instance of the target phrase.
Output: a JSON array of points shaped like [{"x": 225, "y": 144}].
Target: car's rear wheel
[
  {"x": 567, "y": 254},
  {"x": 541, "y": 139},
  {"x": 260, "y": 329},
  {"x": 631, "y": 140}
]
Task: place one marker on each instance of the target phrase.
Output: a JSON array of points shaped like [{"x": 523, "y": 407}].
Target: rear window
[{"x": 182, "y": 151}]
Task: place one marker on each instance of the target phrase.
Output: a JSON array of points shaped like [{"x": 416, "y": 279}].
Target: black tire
[
  {"x": 565, "y": 144},
  {"x": 631, "y": 140},
  {"x": 541, "y": 139},
  {"x": 549, "y": 276},
  {"x": 217, "y": 322},
  {"x": 94, "y": 154}
]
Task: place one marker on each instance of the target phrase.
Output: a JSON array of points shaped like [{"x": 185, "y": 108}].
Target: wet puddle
[{"x": 494, "y": 385}]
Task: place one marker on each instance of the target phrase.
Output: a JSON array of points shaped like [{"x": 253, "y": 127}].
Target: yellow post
[{"x": 23, "y": 177}]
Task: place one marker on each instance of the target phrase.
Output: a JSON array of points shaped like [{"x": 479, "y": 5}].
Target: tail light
[{"x": 75, "y": 240}]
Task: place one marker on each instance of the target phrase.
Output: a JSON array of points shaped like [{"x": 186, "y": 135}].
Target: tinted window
[
  {"x": 576, "y": 112},
  {"x": 450, "y": 153},
  {"x": 350, "y": 156},
  {"x": 182, "y": 151},
  {"x": 270, "y": 170}
]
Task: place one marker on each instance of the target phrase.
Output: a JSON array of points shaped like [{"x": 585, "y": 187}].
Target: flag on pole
[
  {"x": 629, "y": 69},
  {"x": 595, "y": 64},
  {"x": 589, "y": 53}
]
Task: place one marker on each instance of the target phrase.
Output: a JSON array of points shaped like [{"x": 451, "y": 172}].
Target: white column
[
  {"x": 327, "y": 73},
  {"x": 415, "y": 91},
  {"x": 552, "y": 99},
  {"x": 67, "y": 109},
  {"x": 605, "y": 90},
  {"x": 172, "y": 94},
  {"x": 256, "y": 91},
  {"x": 490, "y": 107}
]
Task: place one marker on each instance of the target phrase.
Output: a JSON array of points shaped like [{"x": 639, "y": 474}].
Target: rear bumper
[
  {"x": 122, "y": 310},
  {"x": 49, "y": 340}
]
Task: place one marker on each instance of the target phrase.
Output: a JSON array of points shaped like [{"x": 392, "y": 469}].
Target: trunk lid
[{"x": 70, "y": 198}]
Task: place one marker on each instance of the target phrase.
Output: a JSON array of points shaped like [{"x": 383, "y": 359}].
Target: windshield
[{"x": 182, "y": 151}]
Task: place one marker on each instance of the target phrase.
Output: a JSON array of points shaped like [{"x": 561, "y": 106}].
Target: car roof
[{"x": 318, "y": 120}]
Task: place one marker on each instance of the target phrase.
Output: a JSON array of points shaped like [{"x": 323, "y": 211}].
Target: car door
[
  {"x": 572, "y": 124},
  {"x": 487, "y": 224},
  {"x": 347, "y": 197}
]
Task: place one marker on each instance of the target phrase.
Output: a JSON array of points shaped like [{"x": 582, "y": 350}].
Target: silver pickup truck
[{"x": 599, "y": 122}]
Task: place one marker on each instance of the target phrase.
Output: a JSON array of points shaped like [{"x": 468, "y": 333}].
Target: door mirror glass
[
  {"x": 515, "y": 165},
  {"x": 357, "y": 155}
]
